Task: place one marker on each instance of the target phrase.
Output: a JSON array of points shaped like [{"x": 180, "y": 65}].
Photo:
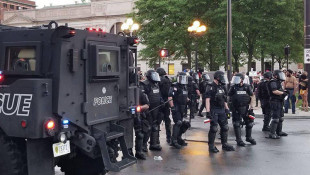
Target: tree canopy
[{"x": 261, "y": 29}]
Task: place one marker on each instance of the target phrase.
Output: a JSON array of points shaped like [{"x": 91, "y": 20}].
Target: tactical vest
[
  {"x": 153, "y": 93},
  {"x": 180, "y": 95},
  {"x": 274, "y": 97},
  {"x": 241, "y": 96},
  {"x": 219, "y": 98}
]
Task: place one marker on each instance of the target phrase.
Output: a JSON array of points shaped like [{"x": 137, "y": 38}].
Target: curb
[{"x": 286, "y": 117}]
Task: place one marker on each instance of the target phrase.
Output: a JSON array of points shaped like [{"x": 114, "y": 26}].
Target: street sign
[{"x": 307, "y": 56}]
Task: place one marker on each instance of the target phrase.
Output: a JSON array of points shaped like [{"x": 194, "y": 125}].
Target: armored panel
[{"x": 27, "y": 100}]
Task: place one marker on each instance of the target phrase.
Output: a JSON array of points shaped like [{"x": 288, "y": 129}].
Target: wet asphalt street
[{"x": 286, "y": 156}]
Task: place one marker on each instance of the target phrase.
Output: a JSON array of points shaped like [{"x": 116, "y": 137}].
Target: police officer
[
  {"x": 164, "y": 87},
  {"x": 264, "y": 97},
  {"x": 240, "y": 95},
  {"x": 217, "y": 111},
  {"x": 196, "y": 80},
  {"x": 277, "y": 95},
  {"x": 151, "y": 89},
  {"x": 193, "y": 93},
  {"x": 178, "y": 96},
  {"x": 141, "y": 125},
  {"x": 202, "y": 88}
]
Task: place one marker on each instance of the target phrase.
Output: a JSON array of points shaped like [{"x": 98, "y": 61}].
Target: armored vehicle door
[{"x": 103, "y": 87}]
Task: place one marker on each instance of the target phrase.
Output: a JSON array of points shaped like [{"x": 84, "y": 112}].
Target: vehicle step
[{"x": 114, "y": 135}]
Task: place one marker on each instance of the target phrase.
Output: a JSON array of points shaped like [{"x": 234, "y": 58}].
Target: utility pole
[
  {"x": 307, "y": 38},
  {"x": 229, "y": 42}
]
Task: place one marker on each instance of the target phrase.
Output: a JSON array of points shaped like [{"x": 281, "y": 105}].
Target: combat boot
[
  {"x": 273, "y": 127},
  {"x": 175, "y": 133},
  {"x": 139, "y": 146},
  {"x": 248, "y": 136},
  {"x": 279, "y": 130},
  {"x": 140, "y": 155},
  {"x": 154, "y": 146},
  {"x": 266, "y": 126},
  {"x": 239, "y": 141},
  {"x": 225, "y": 145},
  {"x": 212, "y": 147}
]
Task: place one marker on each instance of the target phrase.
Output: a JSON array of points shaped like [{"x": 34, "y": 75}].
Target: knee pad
[
  {"x": 139, "y": 135},
  {"x": 155, "y": 128},
  {"x": 185, "y": 126},
  {"x": 275, "y": 120},
  {"x": 178, "y": 123},
  {"x": 213, "y": 128},
  {"x": 236, "y": 124},
  {"x": 225, "y": 128},
  {"x": 281, "y": 119},
  {"x": 250, "y": 125}
]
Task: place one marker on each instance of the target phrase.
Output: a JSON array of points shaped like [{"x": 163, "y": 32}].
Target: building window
[
  {"x": 17, "y": 7},
  {"x": 5, "y": 5},
  {"x": 170, "y": 69},
  {"x": 12, "y": 7},
  {"x": 116, "y": 28},
  {"x": 24, "y": 8}
]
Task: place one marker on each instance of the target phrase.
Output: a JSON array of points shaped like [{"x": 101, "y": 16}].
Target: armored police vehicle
[{"x": 66, "y": 98}]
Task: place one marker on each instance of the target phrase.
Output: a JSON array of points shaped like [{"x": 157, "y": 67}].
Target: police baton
[{"x": 160, "y": 106}]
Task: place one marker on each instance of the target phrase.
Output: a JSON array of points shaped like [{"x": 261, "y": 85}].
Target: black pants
[
  {"x": 266, "y": 111},
  {"x": 218, "y": 117},
  {"x": 203, "y": 105}
]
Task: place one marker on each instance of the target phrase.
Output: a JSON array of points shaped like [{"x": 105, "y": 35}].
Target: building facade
[
  {"x": 105, "y": 14},
  {"x": 13, "y": 5}
]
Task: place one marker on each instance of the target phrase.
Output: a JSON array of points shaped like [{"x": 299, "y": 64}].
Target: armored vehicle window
[
  {"x": 20, "y": 58},
  {"x": 107, "y": 61}
]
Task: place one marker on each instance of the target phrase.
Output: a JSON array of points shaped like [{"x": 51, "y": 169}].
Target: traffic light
[{"x": 164, "y": 53}]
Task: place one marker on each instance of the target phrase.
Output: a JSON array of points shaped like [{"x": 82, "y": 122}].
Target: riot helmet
[
  {"x": 196, "y": 76},
  {"x": 268, "y": 75},
  {"x": 151, "y": 75},
  {"x": 206, "y": 77},
  {"x": 219, "y": 76},
  {"x": 237, "y": 78},
  {"x": 279, "y": 75},
  {"x": 182, "y": 78},
  {"x": 161, "y": 71}
]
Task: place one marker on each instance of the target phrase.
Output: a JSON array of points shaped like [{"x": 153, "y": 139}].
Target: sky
[{"x": 41, "y": 3}]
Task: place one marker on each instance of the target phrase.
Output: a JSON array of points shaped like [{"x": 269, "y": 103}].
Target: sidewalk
[{"x": 298, "y": 115}]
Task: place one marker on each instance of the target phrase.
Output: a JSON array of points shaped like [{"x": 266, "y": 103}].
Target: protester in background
[
  {"x": 303, "y": 91},
  {"x": 255, "y": 85},
  {"x": 290, "y": 84}
]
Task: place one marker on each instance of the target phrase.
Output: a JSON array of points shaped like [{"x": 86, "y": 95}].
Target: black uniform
[
  {"x": 276, "y": 104},
  {"x": 164, "y": 86},
  {"x": 202, "y": 88},
  {"x": 179, "y": 94},
  {"x": 264, "y": 97},
  {"x": 217, "y": 95},
  {"x": 193, "y": 96},
  {"x": 141, "y": 126},
  {"x": 241, "y": 97},
  {"x": 151, "y": 89}
]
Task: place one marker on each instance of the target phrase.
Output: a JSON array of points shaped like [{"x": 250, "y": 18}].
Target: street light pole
[
  {"x": 196, "y": 58},
  {"x": 229, "y": 42}
]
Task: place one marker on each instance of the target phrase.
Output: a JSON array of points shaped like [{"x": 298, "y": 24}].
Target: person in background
[
  {"x": 304, "y": 90},
  {"x": 290, "y": 84},
  {"x": 255, "y": 85}
]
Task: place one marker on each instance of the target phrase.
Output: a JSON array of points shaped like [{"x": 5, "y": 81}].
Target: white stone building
[{"x": 105, "y": 14}]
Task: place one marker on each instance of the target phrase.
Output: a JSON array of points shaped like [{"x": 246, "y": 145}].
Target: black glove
[
  {"x": 228, "y": 114},
  {"x": 251, "y": 112},
  {"x": 209, "y": 115}
]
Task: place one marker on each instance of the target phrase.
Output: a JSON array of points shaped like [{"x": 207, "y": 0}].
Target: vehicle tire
[
  {"x": 13, "y": 159},
  {"x": 81, "y": 165}
]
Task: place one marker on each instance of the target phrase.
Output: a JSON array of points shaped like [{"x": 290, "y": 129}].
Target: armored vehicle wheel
[
  {"x": 81, "y": 165},
  {"x": 13, "y": 159}
]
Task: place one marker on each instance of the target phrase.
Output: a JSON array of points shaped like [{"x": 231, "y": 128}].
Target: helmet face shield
[
  {"x": 222, "y": 79},
  {"x": 155, "y": 76},
  {"x": 282, "y": 76},
  {"x": 236, "y": 80},
  {"x": 182, "y": 79},
  {"x": 206, "y": 77},
  {"x": 196, "y": 77}
]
